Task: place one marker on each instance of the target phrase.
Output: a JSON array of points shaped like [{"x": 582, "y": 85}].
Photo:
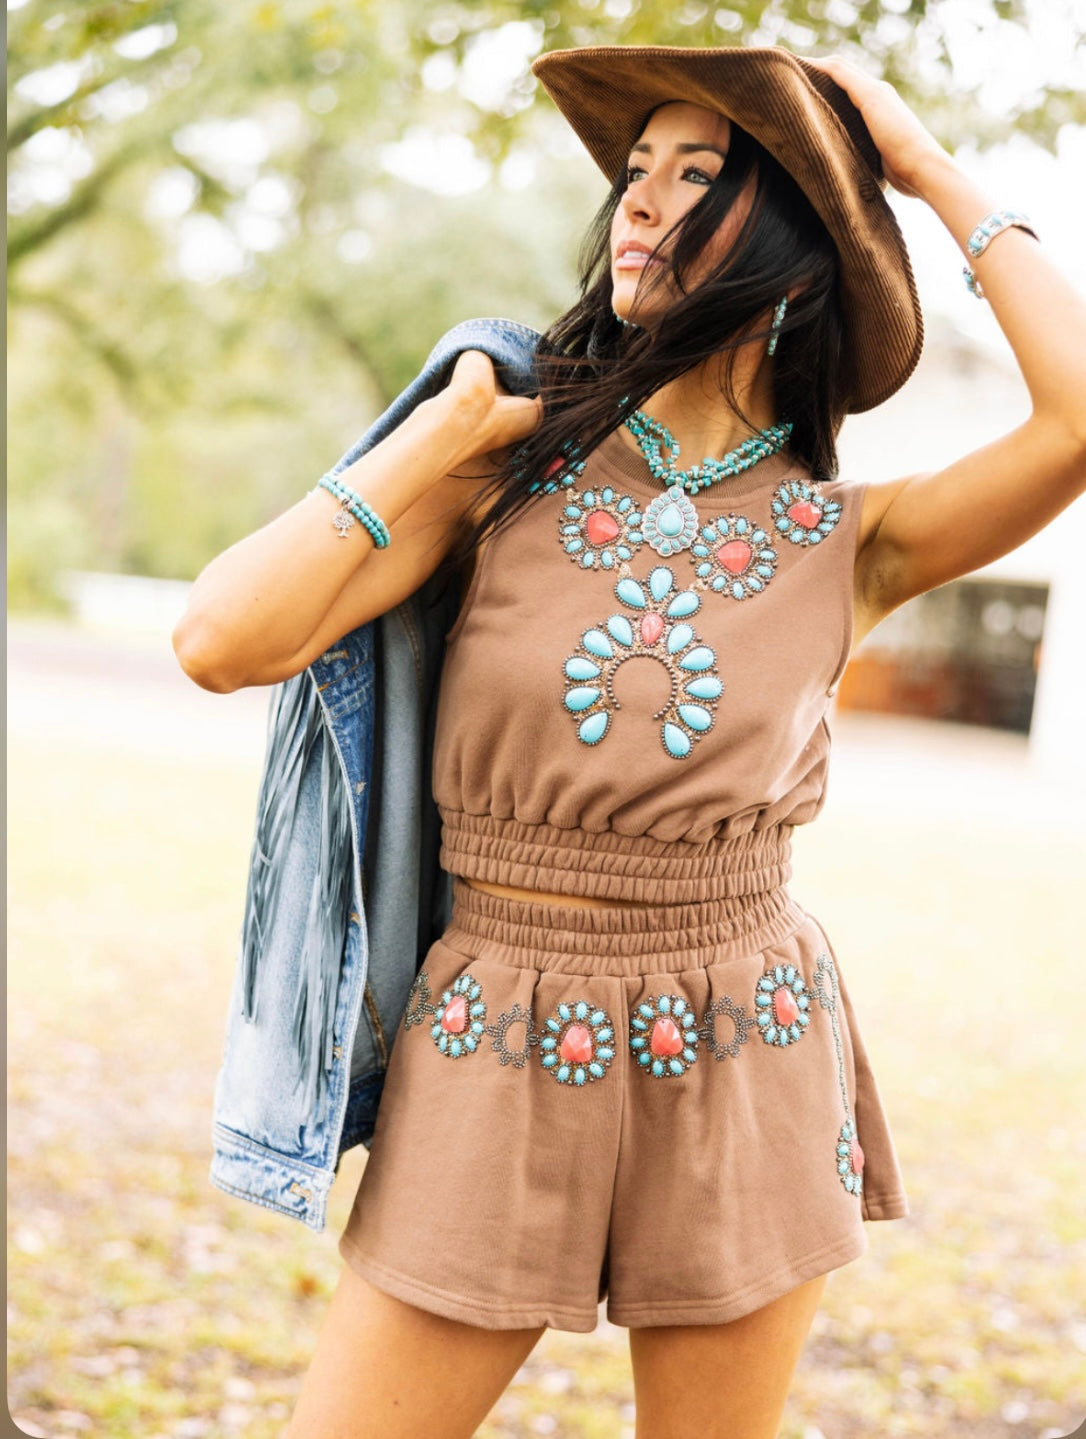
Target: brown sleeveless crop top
[{"x": 633, "y": 697}]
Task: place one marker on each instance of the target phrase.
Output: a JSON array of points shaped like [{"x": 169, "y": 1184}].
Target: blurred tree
[
  {"x": 266, "y": 120},
  {"x": 200, "y": 196}
]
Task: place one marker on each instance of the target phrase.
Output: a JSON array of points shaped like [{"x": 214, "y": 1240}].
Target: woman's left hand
[{"x": 902, "y": 141}]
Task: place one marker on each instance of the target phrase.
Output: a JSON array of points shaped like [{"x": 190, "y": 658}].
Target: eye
[
  {"x": 698, "y": 176},
  {"x": 633, "y": 172}
]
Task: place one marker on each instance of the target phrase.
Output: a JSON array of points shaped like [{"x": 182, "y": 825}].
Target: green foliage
[{"x": 118, "y": 157}]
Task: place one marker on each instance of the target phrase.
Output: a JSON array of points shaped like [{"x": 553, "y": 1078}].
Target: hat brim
[{"x": 805, "y": 121}]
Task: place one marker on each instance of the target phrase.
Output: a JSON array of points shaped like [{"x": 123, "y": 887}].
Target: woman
[{"x": 630, "y": 1066}]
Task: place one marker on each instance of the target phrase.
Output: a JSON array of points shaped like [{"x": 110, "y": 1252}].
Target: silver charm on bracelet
[{"x": 343, "y": 520}]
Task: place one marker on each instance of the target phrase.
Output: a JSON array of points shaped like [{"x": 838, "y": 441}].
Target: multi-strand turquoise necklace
[
  {"x": 732, "y": 552},
  {"x": 652, "y": 438}
]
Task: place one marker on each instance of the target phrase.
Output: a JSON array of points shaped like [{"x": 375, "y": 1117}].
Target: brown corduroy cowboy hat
[{"x": 806, "y": 122}]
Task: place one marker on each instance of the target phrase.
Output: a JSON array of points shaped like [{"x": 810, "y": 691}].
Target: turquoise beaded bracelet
[{"x": 353, "y": 504}]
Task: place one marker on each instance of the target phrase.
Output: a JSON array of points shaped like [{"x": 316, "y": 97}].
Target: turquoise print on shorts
[
  {"x": 500, "y": 1029},
  {"x": 664, "y": 1036},
  {"x": 782, "y": 1005},
  {"x": 578, "y": 1043},
  {"x": 742, "y": 1021},
  {"x": 418, "y": 1000},
  {"x": 849, "y": 1155},
  {"x": 850, "y": 1158},
  {"x": 460, "y": 1018}
]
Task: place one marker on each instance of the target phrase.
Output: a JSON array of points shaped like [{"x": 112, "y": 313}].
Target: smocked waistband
[
  {"x": 608, "y": 865},
  {"x": 581, "y": 939}
]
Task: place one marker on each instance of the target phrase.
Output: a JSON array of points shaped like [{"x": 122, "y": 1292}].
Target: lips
[{"x": 631, "y": 255}]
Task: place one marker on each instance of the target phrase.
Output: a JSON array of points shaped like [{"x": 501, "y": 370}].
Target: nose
[{"x": 639, "y": 203}]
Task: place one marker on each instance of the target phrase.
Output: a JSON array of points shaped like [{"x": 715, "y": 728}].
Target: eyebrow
[{"x": 687, "y": 148}]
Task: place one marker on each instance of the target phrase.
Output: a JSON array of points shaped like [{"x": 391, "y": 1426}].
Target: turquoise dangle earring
[{"x": 778, "y": 320}]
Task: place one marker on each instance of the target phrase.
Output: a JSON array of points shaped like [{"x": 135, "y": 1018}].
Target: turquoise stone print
[
  {"x": 782, "y": 1006},
  {"x": 599, "y": 528},
  {"x": 460, "y": 1018},
  {"x": 734, "y": 557},
  {"x": 670, "y": 522},
  {"x": 801, "y": 515},
  {"x": 664, "y": 1036},
  {"x": 577, "y": 1044},
  {"x": 849, "y": 1155},
  {"x": 655, "y": 626}
]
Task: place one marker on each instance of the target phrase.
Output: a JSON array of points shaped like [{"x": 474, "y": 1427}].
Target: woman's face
[{"x": 681, "y": 151}]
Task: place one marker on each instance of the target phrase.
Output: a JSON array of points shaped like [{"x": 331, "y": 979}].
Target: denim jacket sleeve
[{"x": 345, "y": 892}]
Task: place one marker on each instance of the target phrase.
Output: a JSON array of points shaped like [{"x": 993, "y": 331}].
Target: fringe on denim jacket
[{"x": 345, "y": 893}]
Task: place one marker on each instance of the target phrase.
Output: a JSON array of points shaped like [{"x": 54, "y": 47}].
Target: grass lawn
[{"x": 143, "y": 1302}]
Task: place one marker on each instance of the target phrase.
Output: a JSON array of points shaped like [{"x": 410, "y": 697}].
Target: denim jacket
[{"x": 345, "y": 892}]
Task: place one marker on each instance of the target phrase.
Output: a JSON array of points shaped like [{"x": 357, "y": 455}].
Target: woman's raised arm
[
  {"x": 923, "y": 530},
  {"x": 269, "y": 605}
]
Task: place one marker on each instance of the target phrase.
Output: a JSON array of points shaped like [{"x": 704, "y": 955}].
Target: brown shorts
[{"x": 659, "y": 1106}]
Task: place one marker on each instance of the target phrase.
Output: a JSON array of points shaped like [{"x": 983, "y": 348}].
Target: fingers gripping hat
[{"x": 808, "y": 123}]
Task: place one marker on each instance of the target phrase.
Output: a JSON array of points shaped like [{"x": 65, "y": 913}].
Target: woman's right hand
[
  {"x": 492, "y": 419},
  {"x": 270, "y": 604}
]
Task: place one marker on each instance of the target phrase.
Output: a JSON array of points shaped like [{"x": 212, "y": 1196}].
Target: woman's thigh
[
  {"x": 386, "y": 1368},
  {"x": 721, "y": 1381}
]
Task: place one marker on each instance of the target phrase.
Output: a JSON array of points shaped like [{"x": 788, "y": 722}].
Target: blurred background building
[{"x": 1002, "y": 648}]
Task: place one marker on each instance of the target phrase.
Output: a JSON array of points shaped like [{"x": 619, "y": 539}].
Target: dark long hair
[{"x": 594, "y": 371}]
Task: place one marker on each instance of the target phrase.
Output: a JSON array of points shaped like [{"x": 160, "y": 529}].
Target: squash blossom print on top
[{"x": 656, "y": 626}]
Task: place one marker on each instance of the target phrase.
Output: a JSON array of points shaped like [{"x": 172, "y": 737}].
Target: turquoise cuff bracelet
[
  {"x": 352, "y": 504},
  {"x": 991, "y": 226}
]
